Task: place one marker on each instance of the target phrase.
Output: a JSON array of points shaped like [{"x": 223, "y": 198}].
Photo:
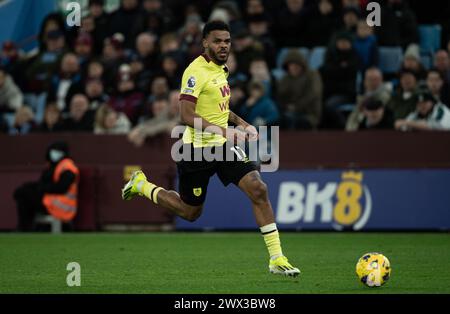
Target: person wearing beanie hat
[
  {"x": 376, "y": 115},
  {"x": 402, "y": 102},
  {"x": 430, "y": 114}
]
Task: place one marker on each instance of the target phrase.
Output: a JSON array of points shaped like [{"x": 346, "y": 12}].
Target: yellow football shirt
[{"x": 205, "y": 84}]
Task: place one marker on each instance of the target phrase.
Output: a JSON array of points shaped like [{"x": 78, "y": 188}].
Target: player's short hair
[{"x": 215, "y": 26}]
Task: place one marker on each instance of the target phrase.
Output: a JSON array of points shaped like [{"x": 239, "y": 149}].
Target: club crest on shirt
[
  {"x": 197, "y": 191},
  {"x": 191, "y": 82}
]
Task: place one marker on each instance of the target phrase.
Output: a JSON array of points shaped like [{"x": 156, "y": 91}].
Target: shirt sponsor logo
[{"x": 188, "y": 91}]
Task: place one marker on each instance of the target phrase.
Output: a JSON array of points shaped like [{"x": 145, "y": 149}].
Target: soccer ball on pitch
[{"x": 373, "y": 269}]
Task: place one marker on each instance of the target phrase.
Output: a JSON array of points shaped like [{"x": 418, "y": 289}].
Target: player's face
[{"x": 217, "y": 45}]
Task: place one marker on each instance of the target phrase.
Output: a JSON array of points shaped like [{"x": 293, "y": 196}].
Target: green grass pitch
[{"x": 198, "y": 263}]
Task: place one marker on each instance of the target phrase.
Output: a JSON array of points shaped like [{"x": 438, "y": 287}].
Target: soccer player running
[{"x": 205, "y": 96}]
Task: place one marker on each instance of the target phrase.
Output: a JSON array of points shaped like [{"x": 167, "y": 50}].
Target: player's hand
[
  {"x": 236, "y": 135},
  {"x": 252, "y": 133}
]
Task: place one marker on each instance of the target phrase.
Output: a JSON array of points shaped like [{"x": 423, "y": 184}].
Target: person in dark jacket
[
  {"x": 291, "y": 24},
  {"x": 29, "y": 196},
  {"x": 376, "y": 116}
]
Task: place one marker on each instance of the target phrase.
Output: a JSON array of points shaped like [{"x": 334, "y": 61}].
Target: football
[{"x": 373, "y": 269}]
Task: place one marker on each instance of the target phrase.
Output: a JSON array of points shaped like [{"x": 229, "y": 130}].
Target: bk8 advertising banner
[{"x": 336, "y": 200}]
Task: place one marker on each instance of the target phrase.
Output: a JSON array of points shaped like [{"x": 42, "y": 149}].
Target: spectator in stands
[
  {"x": 350, "y": 17},
  {"x": 374, "y": 88},
  {"x": 376, "y": 116},
  {"x": 435, "y": 84},
  {"x": 259, "y": 109},
  {"x": 238, "y": 95},
  {"x": 80, "y": 118},
  {"x": 109, "y": 121},
  {"x": 95, "y": 70},
  {"x": 23, "y": 121},
  {"x": 97, "y": 11},
  {"x": 52, "y": 120},
  {"x": 403, "y": 101},
  {"x": 12, "y": 61},
  {"x": 291, "y": 24},
  {"x": 127, "y": 98},
  {"x": 95, "y": 92},
  {"x": 42, "y": 66},
  {"x": 128, "y": 20},
  {"x": 411, "y": 61},
  {"x": 144, "y": 62},
  {"x": 51, "y": 23},
  {"x": 161, "y": 121},
  {"x": 253, "y": 7},
  {"x": 190, "y": 37},
  {"x": 11, "y": 97},
  {"x": 442, "y": 64},
  {"x": 398, "y": 25},
  {"x": 113, "y": 56},
  {"x": 246, "y": 49},
  {"x": 339, "y": 72},
  {"x": 322, "y": 24},
  {"x": 366, "y": 45},
  {"x": 55, "y": 193},
  {"x": 66, "y": 82},
  {"x": 258, "y": 26},
  {"x": 84, "y": 48},
  {"x": 259, "y": 72},
  {"x": 428, "y": 115},
  {"x": 159, "y": 88},
  {"x": 172, "y": 68},
  {"x": 158, "y": 8},
  {"x": 229, "y": 12},
  {"x": 234, "y": 76},
  {"x": 299, "y": 93}
]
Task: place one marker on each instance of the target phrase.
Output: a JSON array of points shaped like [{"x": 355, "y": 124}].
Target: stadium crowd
[{"x": 120, "y": 72}]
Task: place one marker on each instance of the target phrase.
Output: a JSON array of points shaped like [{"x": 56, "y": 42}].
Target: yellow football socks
[
  {"x": 150, "y": 191},
  {"x": 272, "y": 240}
]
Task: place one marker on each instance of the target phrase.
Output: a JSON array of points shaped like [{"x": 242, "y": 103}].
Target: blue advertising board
[{"x": 336, "y": 200}]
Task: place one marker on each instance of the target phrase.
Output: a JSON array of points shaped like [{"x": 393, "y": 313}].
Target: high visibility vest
[{"x": 63, "y": 206}]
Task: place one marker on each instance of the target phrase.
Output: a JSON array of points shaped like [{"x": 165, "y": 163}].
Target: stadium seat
[
  {"x": 390, "y": 59},
  {"x": 430, "y": 38},
  {"x": 278, "y": 73},
  {"x": 283, "y": 51},
  {"x": 427, "y": 61},
  {"x": 317, "y": 57}
]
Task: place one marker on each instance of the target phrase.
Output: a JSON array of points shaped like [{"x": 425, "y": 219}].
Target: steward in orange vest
[{"x": 61, "y": 200}]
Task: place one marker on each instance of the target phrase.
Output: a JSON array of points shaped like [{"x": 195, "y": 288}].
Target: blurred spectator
[
  {"x": 259, "y": 71},
  {"x": 253, "y": 7},
  {"x": 52, "y": 120},
  {"x": 144, "y": 62},
  {"x": 339, "y": 72},
  {"x": 350, "y": 18},
  {"x": 95, "y": 70},
  {"x": 299, "y": 93},
  {"x": 84, "y": 48},
  {"x": 403, "y": 101},
  {"x": 97, "y": 12},
  {"x": 12, "y": 62},
  {"x": 229, "y": 12},
  {"x": 11, "y": 97},
  {"x": 442, "y": 64},
  {"x": 428, "y": 115},
  {"x": 52, "y": 23},
  {"x": 374, "y": 88},
  {"x": 158, "y": 8},
  {"x": 366, "y": 45},
  {"x": 411, "y": 61},
  {"x": 80, "y": 118},
  {"x": 259, "y": 109},
  {"x": 95, "y": 92},
  {"x": 41, "y": 67},
  {"x": 109, "y": 121},
  {"x": 246, "y": 49},
  {"x": 127, "y": 98},
  {"x": 172, "y": 68},
  {"x": 55, "y": 193},
  {"x": 398, "y": 25},
  {"x": 113, "y": 56},
  {"x": 322, "y": 24},
  {"x": 159, "y": 88},
  {"x": 258, "y": 26},
  {"x": 169, "y": 42},
  {"x": 66, "y": 82},
  {"x": 161, "y": 121},
  {"x": 376, "y": 116},
  {"x": 128, "y": 20},
  {"x": 23, "y": 121},
  {"x": 234, "y": 75},
  {"x": 435, "y": 84},
  {"x": 238, "y": 95},
  {"x": 291, "y": 24},
  {"x": 190, "y": 37}
]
